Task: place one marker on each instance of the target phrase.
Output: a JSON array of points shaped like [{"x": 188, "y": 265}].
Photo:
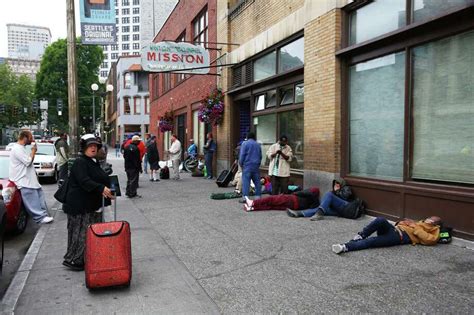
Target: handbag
[{"x": 61, "y": 194}]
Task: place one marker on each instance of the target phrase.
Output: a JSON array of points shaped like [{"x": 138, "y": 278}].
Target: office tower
[{"x": 27, "y": 41}]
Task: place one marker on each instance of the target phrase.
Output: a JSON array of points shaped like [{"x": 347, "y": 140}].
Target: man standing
[
  {"x": 175, "y": 155},
  {"x": 22, "y": 173},
  {"x": 209, "y": 149},
  {"x": 192, "y": 149},
  {"x": 145, "y": 157},
  {"x": 249, "y": 159},
  {"x": 62, "y": 157},
  {"x": 280, "y": 155},
  {"x": 133, "y": 166}
]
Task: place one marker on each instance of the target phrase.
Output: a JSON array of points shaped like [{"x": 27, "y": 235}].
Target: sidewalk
[{"x": 194, "y": 255}]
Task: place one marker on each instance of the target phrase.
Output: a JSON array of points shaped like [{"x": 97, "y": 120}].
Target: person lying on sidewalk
[
  {"x": 308, "y": 198},
  {"x": 424, "y": 232},
  {"x": 332, "y": 203}
]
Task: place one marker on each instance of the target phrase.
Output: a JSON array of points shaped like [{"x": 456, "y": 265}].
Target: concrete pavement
[{"x": 196, "y": 255}]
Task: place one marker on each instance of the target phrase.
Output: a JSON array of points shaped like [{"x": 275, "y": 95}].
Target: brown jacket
[{"x": 422, "y": 233}]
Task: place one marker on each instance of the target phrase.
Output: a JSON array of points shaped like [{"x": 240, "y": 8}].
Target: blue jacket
[{"x": 250, "y": 155}]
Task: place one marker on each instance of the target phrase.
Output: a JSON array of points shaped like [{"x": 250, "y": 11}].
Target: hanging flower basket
[
  {"x": 211, "y": 110},
  {"x": 166, "y": 122}
]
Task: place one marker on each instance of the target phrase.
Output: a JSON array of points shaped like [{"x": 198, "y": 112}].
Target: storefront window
[
  {"x": 299, "y": 93},
  {"x": 265, "y": 66},
  {"x": 291, "y": 55},
  {"x": 443, "y": 110},
  {"x": 291, "y": 125},
  {"x": 270, "y": 99},
  {"x": 426, "y": 9},
  {"x": 376, "y": 18},
  {"x": 376, "y": 113},
  {"x": 265, "y": 130}
]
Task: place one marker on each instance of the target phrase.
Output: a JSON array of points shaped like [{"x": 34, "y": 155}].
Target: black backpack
[
  {"x": 353, "y": 209},
  {"x": 165, "y": 173},
  {"x": 445, "y": 234}
]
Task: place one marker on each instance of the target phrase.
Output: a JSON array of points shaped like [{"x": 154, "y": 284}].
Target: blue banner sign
[{"x": 98, "y": 22}]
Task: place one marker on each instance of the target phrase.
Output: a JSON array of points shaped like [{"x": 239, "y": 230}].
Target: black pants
[
  {"x": 62, "y": 174},
  {"x": 76, "y": 235},
  {"x": 279, "y": 185},
  {"x": 132, "y": 182}
]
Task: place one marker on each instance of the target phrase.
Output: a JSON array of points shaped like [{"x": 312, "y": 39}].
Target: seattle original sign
[{"x": 176, "y": 57}]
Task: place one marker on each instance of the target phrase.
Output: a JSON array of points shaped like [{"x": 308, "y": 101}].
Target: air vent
[
  {"x": 236, "y": 77},
  {"x": 248, "y": 73}
]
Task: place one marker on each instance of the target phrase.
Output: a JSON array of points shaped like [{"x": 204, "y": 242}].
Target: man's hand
[
  {"x": 34, "y": 149},
  {"x": 107, "y": 193}
]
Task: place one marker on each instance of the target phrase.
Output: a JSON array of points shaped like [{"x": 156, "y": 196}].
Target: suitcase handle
[{"x": 110, "y": 232}]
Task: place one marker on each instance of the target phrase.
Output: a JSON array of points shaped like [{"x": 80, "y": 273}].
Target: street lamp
[{"x": 94, "y": 88}]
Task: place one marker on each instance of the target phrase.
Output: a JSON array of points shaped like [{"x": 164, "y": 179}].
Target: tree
[
  {"x": 51, "y": 81},
  {"x": 16, "y": 94}
]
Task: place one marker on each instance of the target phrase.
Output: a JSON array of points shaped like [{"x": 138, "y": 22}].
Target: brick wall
[
  {"x": 322, "y": 98},
  {"x": 184, "y": 94}
]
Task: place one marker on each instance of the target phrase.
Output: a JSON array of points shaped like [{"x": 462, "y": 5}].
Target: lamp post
[{"x": 94, "y": 88}]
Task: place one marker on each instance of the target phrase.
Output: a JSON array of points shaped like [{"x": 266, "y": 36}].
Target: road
[{"x": 16, "y": 246}]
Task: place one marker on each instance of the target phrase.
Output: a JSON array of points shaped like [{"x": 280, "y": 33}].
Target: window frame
[{"x": 204, "y": 31}]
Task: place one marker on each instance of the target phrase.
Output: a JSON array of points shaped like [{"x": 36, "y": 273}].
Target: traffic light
[
  {"x": 59, "y": 105},
  {"x": 2, "y": 108},
  {"x": 34, "y": 105}
]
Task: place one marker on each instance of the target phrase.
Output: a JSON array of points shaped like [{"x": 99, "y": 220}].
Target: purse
[{"x": 61, "y": 194}]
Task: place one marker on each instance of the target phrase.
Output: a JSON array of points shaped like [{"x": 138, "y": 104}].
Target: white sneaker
[
  {"x": 247, "y": 208},
  {"x": 46, "y": 220},
  {"x": 339, "y": 248},
  {"x": 248, "y": 201}
]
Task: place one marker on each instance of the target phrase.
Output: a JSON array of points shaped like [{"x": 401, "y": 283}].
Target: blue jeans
[
  {"x": 253, "y": 175},
  {"x": 208, "y": 159},
  {"x": 145, "y": 164},
  {"x": 34, "y": 202},
  {"x": 117, "y": 152},
  {"x": 387, "y": 235},
  {"x": 330, "y": 204}
]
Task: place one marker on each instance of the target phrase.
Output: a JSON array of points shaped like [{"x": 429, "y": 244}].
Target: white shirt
[
  {"x": 22, "y": 171},
  {"x": 175, "y": 150}
]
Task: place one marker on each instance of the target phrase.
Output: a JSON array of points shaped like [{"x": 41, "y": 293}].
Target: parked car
[
  {"x": 45, "y": 159},
  {"x": 16, "y": 216}
]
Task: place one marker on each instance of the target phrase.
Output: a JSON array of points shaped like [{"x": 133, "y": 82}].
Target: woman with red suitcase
[{"x": 87, "y": 185}]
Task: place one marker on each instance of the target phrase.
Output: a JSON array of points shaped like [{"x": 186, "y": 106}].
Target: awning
[{"x": 135, "y": 67}]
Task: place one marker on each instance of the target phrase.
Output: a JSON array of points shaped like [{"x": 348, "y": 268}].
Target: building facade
[
  {"x": 192, "y": 21},
  {"x": 27, "y": 41},
  {"x": 378, "y": 92},
  {"x": 137, "y": 21},
  {"x": 28, "y": 67},
  {"x": 132, "y": 108}
]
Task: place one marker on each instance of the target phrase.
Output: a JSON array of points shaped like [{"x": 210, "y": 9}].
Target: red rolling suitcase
[{"x": 108, "y": 254}]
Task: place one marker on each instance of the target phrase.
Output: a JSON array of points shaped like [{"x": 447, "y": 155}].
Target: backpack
[
  {"x": 353, "y": 209},
  {"x": 165, "y": 173},
  {"x": 445, "y": 233}
]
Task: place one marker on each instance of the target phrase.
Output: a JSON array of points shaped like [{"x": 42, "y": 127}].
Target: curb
[{"x": 12, "y": 295}]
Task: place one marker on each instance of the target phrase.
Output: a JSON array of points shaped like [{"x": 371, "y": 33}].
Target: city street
[{"x": 194, "y": 255}]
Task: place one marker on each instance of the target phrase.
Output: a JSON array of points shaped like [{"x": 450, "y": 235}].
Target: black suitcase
[{"x": 226, "y": 176}]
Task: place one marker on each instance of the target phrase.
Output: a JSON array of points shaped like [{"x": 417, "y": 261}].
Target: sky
[{"x": 47, "y": 13}]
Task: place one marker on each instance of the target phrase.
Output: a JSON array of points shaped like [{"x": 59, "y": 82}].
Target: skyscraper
[
  {"x": 27, "y": 41},
  {"x": 137, "y": 22}
]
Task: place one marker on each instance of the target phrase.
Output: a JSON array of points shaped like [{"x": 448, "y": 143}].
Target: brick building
[
  {"x": 192, "y": 21},
  {"x": 378, "y": 92}
]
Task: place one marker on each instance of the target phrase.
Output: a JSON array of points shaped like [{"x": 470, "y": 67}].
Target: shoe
[
  {"x": 46, "y": 220},
  {"x": 357, "y": 237},
  {"x": 73, "y": 266},
  {"x": 152, "y": 180},
  {"x": 242, "y": 200},
  {"x": 135, "y": 196},
  {"x": 247, "y": 208},
  {"x": 339, "y": 248},
  {"x": 319, "y": 215},
  {"x": 293, "y": 213},
  {"x": 156, "y": 180},
  {"x": 248, "y": 201}
]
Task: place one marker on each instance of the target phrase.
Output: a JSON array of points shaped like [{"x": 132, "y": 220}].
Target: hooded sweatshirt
[
  {"x": 344, "y": 192},
  {"x": 423, "y": 233}
]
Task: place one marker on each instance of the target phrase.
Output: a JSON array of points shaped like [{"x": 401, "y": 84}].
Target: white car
[{"x": 45, "y": 160}]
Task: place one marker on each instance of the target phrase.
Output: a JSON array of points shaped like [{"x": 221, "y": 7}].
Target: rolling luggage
[
  {"x": 108, "y": 254},
  {"x": 226, "y": 176}
]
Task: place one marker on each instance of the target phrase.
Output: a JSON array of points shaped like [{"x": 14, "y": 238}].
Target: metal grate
[
  {"x": 248, "y": 73},
  {"x": 237, "y": 76}
]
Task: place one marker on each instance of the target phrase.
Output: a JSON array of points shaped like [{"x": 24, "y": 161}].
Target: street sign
[{"x": 44, "y": 105}]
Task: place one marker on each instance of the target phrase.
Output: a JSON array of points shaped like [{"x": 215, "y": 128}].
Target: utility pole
[{"x": 73, "y": 105}]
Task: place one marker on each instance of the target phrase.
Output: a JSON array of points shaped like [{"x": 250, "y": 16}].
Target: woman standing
[
  {"x": 209, "y": 149},
  {"x": 87, "y": 184}
]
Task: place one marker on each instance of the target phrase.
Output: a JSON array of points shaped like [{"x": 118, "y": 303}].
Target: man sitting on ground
[
  {"x": 332, "y": 203},
  {"x": 308, "y": 198},
  {"x": 424, "y": 232}
]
